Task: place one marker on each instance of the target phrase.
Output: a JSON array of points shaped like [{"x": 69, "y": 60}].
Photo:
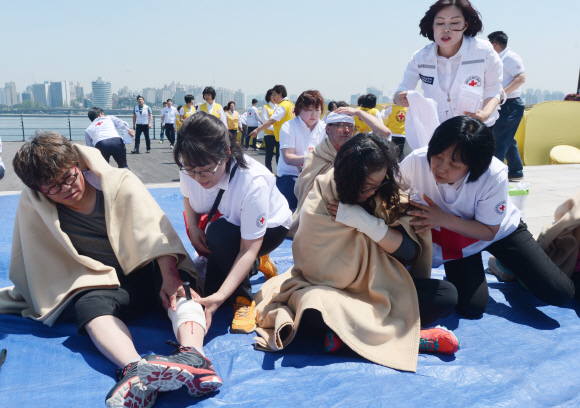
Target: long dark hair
[
  {"x": 203, "y": 140},
  {"x": 358, "y": 158},
  {"x": 470, "y": 14}
]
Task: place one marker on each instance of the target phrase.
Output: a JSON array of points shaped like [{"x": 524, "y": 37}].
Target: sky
[{"x": 338, "y": 47}]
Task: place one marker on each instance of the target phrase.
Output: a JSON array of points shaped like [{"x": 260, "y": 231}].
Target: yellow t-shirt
[
  {"x": 289, "y": 107},
  {"x": 362, "y": 127}
]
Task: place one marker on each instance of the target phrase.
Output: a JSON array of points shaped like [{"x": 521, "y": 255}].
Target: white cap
[{"x": 339, "y": 118}]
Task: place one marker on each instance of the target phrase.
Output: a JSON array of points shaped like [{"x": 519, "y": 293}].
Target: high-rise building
[
  {"x": 59, "y": 94},
  {"x": 27, "y": 96},
  {"x": 546, "y": 96},
  {"x": 102, "y": 96},
  {"x": 538, "y": 97},
  {"x": 41, "y": 93},
  {"x": 163, "y": 95},
  {"x": 10, "y": 90},
  {"x": 149, "y": 95},
  {"x": 178, "y": 97},
  {"x": 377, "y": 92},
  {"x": 240, "y": 99},
  {"x": 354, "y": 99},
  {"x": 529, "y": 96},
  {"x": 18, "y": 98},
  {"x": 2, "y": 96},
  {"x": 558, "y": 96}
]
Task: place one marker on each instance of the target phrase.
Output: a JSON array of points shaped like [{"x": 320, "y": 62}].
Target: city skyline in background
[{"x": 67, "y": 94}]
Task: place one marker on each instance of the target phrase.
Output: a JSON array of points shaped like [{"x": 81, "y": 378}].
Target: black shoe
[
  {"x": 129, "y": 392},
  {"x": 136, "y": 151},
  {"x": 148, "y": 151},
  {"x": 185, "y": 366}
]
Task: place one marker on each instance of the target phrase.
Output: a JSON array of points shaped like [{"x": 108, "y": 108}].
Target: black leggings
[
  {"x": 270, "y": 141},
  {"x": 437, "y": 298},
  {"x": 521, "y": 254},
  {"x": 223, "y": 239}
]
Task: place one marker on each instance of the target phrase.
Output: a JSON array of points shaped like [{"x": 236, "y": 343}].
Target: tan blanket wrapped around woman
[
  {"x": 47, "y": 270},
  {"x": 364, "y": 295},
  {"x": 561, "y": 239},
  {"x": 319, "y": 161}
]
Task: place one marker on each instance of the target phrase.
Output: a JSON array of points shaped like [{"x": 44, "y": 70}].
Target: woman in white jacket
[{"x": 455, "y": 64}]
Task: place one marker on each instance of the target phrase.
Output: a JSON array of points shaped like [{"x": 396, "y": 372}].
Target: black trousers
[
  {"x": 1, "y": 172},
  {"x": 270, "y": 141},
  {"x": 170, "y": 132},
  {"x": 400, "y": 142},
  {"x": 234, "y": 133},
  {"x": 145, "y": 130},
  {"x": 437, "y": 298},
  {"x": 137, "y": 295},
  {"x": 223, "y": 239},
  {"x": 116, "y": 148},
  {"x": 247, "y": 141},
  {"x": 521, "y": 254}
]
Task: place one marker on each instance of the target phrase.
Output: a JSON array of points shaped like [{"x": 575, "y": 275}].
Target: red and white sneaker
[
  {"x": 129, "y": 392},
  {"x": 185, "y": 366},
  {"x": 438, "y": 340}
]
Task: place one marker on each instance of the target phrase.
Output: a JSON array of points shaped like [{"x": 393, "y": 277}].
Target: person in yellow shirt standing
[
  {"x": 233, "y": 120},
  {"x": 178, "y": 121},
  {"x": 395, "y": 118},
  {"x": 269, "y": 137},
  {"x": 187, "y": 110},
  {"x": 212, "y": 107},
  {"x": 282, "y": 114},
  {"x": 368, "y": 104}
]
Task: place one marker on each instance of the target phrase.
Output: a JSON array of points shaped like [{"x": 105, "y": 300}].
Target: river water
[{"x": 11, "y": 125}]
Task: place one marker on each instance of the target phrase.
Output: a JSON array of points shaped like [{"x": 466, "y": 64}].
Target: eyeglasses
[
  {"x": 343, "y": 126},
  {"x": 57, "y": 188},
  {"x": 203, "y": 173},
  {"x": 384, "y": 183}
]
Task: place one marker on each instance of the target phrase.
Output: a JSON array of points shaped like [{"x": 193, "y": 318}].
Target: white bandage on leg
[{"x": 187, "y": 311}]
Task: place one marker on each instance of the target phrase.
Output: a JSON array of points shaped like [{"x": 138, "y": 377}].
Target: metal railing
[{"x": 15, "y": 128}]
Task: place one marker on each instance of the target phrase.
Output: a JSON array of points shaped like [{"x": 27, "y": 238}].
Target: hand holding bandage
[{"x": 353, "y": 215}]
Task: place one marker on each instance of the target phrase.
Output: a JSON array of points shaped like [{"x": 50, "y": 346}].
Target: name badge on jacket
[{"x": 427, "y": 80}]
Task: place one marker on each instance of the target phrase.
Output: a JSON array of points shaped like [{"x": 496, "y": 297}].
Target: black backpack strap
[{"x": 219, "y": 196}]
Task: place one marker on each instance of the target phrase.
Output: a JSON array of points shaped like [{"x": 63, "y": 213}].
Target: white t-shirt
[
  {"x": 295, "y": 134},
  {"x": 265, "y": 115},
  {"x": 169, "y": 114},
  {"x": 189, "y": 110},
  {"x": 252, "y": 120},
  {"x": 243, "y": 118},
  {"x": 102, "y": 128},
  {"x": 251, "y": 199},
  {"x": 485, "y": 200},
  {"x": 512, "y": 66},
  {"x": 210, "y": 109},
  {"x": 280, "y": 112}
]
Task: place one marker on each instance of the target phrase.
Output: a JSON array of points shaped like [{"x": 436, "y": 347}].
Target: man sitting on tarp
[{"x": 89, "y": 239}]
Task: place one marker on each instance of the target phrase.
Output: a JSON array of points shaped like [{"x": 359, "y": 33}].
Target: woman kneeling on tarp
[{"x": 349, "y": 276}]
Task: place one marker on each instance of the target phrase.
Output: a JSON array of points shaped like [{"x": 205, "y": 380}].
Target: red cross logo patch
[
  {"x": 401, "y": 116},
  {"x": 500, "y": 207},
  {"x": 261, "y": 220},
  {"x": 99, "y": 124},
  {"x": 474, "y": 81}
]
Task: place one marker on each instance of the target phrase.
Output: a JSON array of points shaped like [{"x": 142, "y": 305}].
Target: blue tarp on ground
[{"x": 520, "y": 353}]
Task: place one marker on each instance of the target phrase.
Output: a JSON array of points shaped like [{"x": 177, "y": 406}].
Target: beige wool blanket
[
  {"x": 561, "y": 239},
  {"x": 318, "y": 161},
  {"x": 364, "y": 295},
  {"x": 47, "y": 270}
]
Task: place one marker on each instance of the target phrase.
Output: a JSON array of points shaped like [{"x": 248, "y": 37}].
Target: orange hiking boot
[
  {"x": 268, "y": 267},
  {"x": 438, "y": 340},
  {"x": 244, "y": 316}
]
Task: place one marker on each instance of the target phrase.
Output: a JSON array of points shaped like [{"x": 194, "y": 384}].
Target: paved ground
[{"x": 549, "y": 185}]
